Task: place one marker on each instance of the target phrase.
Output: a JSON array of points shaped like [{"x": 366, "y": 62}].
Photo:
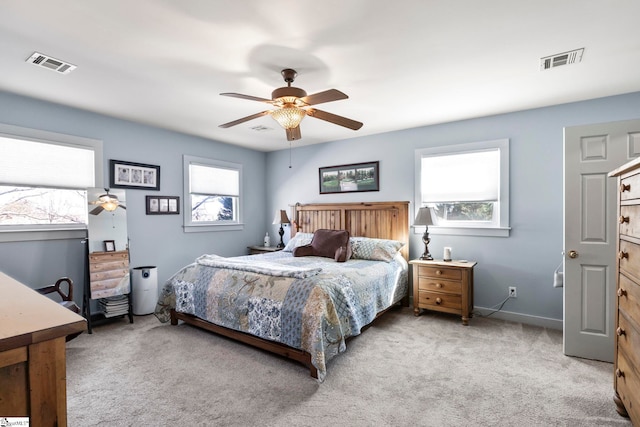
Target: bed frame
[{"x": 383, "y": 220}]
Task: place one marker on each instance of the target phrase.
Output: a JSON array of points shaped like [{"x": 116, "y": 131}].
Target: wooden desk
[{"x": 33, "y": 354}]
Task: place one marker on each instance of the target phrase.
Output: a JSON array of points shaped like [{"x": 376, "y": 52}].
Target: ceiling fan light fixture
[
  {"x": 110, "y": 206},
  {"x": 288, "y": 117}
]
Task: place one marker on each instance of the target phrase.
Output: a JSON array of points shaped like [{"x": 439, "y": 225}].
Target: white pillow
[{"x": 300, "y": 239}]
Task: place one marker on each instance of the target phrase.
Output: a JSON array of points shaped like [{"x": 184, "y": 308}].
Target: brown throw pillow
[{"x": 327, "y": 243}]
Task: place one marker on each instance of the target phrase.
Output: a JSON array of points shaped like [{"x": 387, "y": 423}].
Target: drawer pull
[
  {"x": 438, "y": 300},
  {"x": 621, "y": 292},
  {"x": 438, "y": 272},
  {"x": 623, "y": 219},
  {"x": 438, "y": 285},
  {"x": 623, "y": 255},
  {"x": 625, "y": 187},
  {"x": 619, "y": 373},
  {"x": 620, "y": 331}
]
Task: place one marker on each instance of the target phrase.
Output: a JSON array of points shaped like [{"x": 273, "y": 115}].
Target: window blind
[
  {"x": 214, "y": 181},
  {"x": 40, "y": 164},
  {"x": 464, "y": 177}
]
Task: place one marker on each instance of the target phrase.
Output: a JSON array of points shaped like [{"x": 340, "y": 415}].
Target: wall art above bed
[{"x": 350, "y": 178}]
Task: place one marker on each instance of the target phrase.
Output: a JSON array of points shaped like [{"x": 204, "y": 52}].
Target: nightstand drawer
[
  {"x": 440, "y": 272},
  {"x": 437, "y": 285},
  {"x": 436, "y": 299}
]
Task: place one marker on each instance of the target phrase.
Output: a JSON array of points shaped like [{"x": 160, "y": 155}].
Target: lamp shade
[
  {"x": 281, "y": 217},
  {"x": 423, "y": 217},
  {"x": 288, "y": 117}
]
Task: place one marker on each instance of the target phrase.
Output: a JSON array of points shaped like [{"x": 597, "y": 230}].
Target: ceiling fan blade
[
  {"x": 333, "y": 118},
  {"x": 326, "y": 96},
  {"x": 293, "y": 134},
  {"x": 97, "y": 210},
  {"x": 249, "y": 97},
  {"x": 122, "y": 206},
  {"x": 244, "y": 119}
]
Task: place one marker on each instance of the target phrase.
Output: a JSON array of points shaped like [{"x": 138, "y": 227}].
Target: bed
[{"x": 302, "y": 308}]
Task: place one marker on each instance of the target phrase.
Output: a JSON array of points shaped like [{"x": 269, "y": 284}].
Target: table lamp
[
  {"x": 281, "y": 218},
  {"x": 424, "y": 218}
]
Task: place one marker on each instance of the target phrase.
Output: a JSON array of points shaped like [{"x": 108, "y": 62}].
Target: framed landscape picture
[{"x": 350, "y": 178}]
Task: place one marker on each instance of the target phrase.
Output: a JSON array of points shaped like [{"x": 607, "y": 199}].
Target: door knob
[{"x": 573, "y": 254}]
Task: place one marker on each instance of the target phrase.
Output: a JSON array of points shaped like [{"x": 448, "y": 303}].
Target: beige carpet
[{"x": 402, "y": 371}]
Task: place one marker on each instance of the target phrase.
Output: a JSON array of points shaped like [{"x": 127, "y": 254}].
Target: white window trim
[
  {"x": 189, "y": 226},
  {"x": 21, "y": 234},
  {"x": 503, "y": 229}
]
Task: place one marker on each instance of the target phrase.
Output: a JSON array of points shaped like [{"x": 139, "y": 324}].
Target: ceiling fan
[
  {"x": 293, "y": 105},
  {"x": 107, "y": 202}
]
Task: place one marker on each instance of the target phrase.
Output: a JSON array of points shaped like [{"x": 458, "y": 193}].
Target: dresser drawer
[
  {"x": 629, "y": 298},
  {"x": 440, "y": 272},
  {"x": 629, "y": 257},
  {"x": 439, "y": 285},
  {"x": 633, "y": 191},
  {"x": 627, "y": 386},
  {"x": 439, "y": 300},
  {"x": 628, "y": 338},
  {"x": 630, "y": 220}
]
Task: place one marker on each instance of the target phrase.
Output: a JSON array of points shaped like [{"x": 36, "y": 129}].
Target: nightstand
[
  {"x": 445, "y": 286},
  {"x": 253, "y": 250}
]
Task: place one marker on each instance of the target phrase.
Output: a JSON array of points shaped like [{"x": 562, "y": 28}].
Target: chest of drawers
[
  {"x": 627, "y": 341},
  {"x": 445, "y": 286}
]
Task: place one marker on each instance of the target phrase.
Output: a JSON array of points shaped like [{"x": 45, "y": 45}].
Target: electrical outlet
[{"x": 512, "y": 292}]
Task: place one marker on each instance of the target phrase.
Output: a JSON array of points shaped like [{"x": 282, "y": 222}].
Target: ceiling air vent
[
  {"x": 260, "y": 128},
  {"x": 50, "y": 63},
  {"x": 560, "y": 59}
]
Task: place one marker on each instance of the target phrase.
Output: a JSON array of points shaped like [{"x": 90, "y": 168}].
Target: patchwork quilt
[{"x": 309, "y": 303}]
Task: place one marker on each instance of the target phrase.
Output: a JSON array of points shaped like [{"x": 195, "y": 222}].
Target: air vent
[
  {"x": 260, "y": 128},
  {"x": 50, "y": 63},
  {"x": 560, "y": 59}
]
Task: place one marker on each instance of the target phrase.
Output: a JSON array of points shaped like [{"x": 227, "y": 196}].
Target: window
[
  {"x": 214, "y": 195},
  {"x": 466, "y": 186},
  {"x": 43, "y": 182}
]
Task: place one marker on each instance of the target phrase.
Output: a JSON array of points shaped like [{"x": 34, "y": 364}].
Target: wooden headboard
[{"x": 382, "y": 220}]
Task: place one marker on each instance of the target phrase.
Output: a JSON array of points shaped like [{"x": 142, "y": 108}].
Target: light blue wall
[
  {"x": 529, "y": 256},
  {"x": 154, "y": 240},
  {"x": 526, "y": 259}
]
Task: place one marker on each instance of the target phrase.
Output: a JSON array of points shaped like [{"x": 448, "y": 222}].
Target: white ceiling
[{"x": 404, "y": 64}]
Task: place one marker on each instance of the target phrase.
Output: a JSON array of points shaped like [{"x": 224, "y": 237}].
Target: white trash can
[{"x": 145, "y": 289}]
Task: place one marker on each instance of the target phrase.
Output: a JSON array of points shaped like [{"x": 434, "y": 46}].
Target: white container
[{"x": 145, "y": 290}]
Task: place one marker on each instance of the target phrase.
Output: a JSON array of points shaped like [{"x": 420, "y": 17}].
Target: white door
[{"x": 590, "y": 153}]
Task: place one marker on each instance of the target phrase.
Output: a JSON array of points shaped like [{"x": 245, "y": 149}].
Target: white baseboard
[{"x": 544, "y": 322}]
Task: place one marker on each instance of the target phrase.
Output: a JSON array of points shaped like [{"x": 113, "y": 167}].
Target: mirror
[
  {"x": 107, "y": 219},
  {"x": 108, "y": 243}
]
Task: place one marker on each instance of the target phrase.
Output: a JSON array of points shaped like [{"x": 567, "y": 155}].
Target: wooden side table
[
  {"x": 253, "y": 250},
  {"x": 445, "y": 286}
]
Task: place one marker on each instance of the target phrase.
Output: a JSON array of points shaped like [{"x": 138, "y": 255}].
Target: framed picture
[
  {"x": 350, "y": 178},
  {"x": 133, "y": 175},
  {"x": 163, "y": 205},
  {"x": 109, "y": 246}
]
